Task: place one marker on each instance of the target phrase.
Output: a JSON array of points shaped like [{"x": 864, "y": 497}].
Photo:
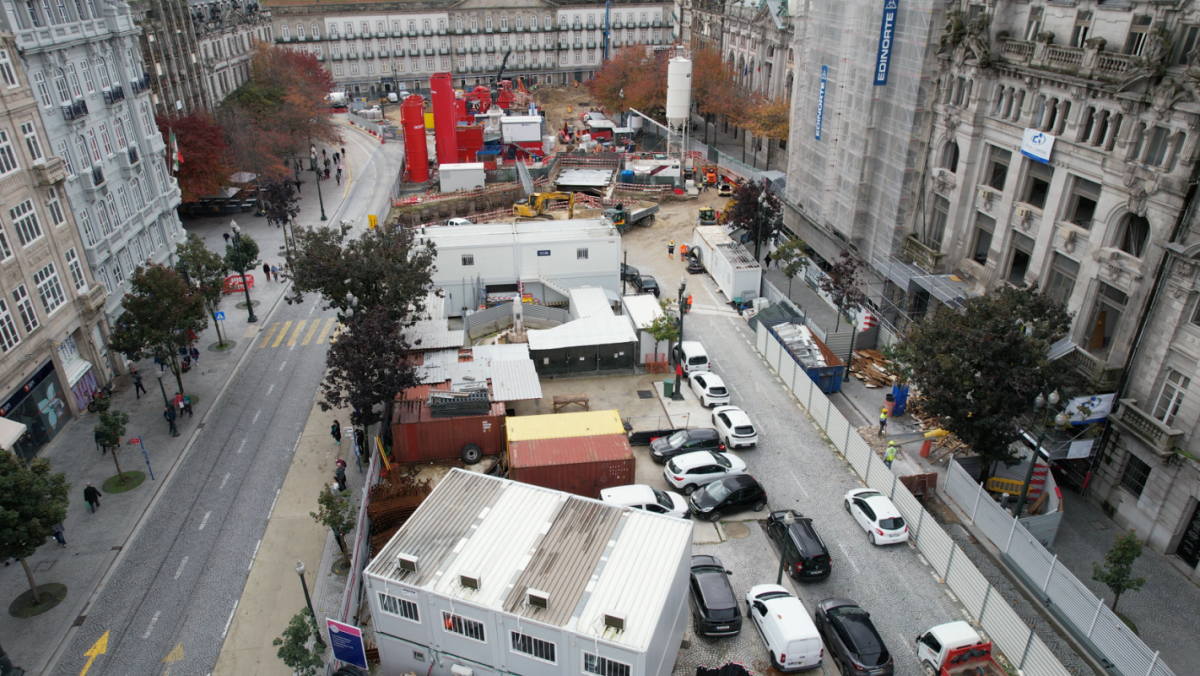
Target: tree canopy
[
  {"x": 757, "y": 210},
  {"x": 241, "y": 253},
  {"x": 205, "y": 270},
  {"x": 298, "y": 647},
  {"x": 337, "y": 513},
  {"x": 202, "y": 144},
  {"x": 108, "y": 433},
  {"x": 632, "y": 79},
  {"x": 32, "y": 500},
  {"x": 844, "y": 285},
  {"x": 367, "y": 365},
  {"x": 1117, "y": 571}
]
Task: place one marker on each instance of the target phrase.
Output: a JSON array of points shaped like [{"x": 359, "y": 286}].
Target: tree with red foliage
[
  {"x": 202, "y": 145},
  {"x": 714, "y": 88},
  {"x": 632, "y": 80}
]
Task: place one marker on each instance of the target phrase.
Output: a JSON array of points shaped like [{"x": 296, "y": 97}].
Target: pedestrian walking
[
  {"x": 92, "y": 497},
  {"x": 184, "y": 403},
  {"x": 768, "y": 259},
  {"x": 360, "y": 438},
  {"x": 335, "y": 157},
  {"x": 169, "y": 414},
  {"x": 343, "y": 152},
  {"x": 267, "y": 271},
  {"x": 275, "y": 272},
  {"x": 60, "y": 533},
  {"x": 891, "y": 454},
  {"x": 340, "y": 475},
  {"x": 323, "y": 153},
  {"x": 883, "y": 419},
  {"x": 336, "y": 431},
  {"x": 297, "y": 185},
  {"x": 195, "y": 354},
  {"x": 326, "y": 173},
  {"x": 671, "y": 250},
  {"x": 138, "y": 388},
  {"x": 226, "y": 236},
  {"x": 329, "y": 163},
  {"x": 339, "y": 176}
]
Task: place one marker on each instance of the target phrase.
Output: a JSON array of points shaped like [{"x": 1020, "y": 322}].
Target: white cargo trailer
[
  {"x": 465, "y": 176},
  {"x": 731, "y": 266}
]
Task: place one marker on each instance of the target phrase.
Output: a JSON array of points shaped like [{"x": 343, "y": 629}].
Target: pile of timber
[
  {"x": 871, "y": 367},
  {"x": 392, "y": 502}
]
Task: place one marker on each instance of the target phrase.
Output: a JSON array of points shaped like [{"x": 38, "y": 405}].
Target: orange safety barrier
[{"x": 233, "y": 283}]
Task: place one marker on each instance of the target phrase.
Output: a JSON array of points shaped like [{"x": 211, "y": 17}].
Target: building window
[
  {"x": 937, "y": 223},
  {"x": 1081, "y": 206},
  {"x": 85, "y": 222},
  {"x": 504, "y": 23},
  {"x": 1132, "y": 235},
  {"x": 111, "y": 202},
  {"x": 52, "y": 203},
  {"x": 9, "y": 338},
  {"x": 32, "y": 143},
  {"x": 1083, "y": 28},
  {"x": 86, "y": 69},
  {"x": 6, "y": 70},
  {"x": 950, "y": 157},
  {"x": 1170, "y": 396},
  {"x": 1034, "y": 25},
  {"x": 602, "y": 666},
  {"x": 25, "y": 309},
  {"x": 8, "y": 159},
  {"x": 106, "y": 139},
  {"x": 1061, "y": 281},
  {"x": 102, "y": 68},
  {"x": 468, "y": 259},
  {"x": 1187, "y": 42},
  {"x": 43, "y": 91},
  {"x": 997, "y": 169},
  {"x": 119, "y": 128},
  {"x": 1018, "y": 259},
  {"x": 25, "y": 222},
  {"x": 487, "y": 23},
  {"x": 1106, "y": 318},
  {"x": 984, "y": 227},
  {"x": 1139, "y": 29},
  {"x": 1037, "y": 184},
  {"x": 581, "y": 254},
  {"x": 399, "y": 607},
  {"x": 1135, "y": 476},
  {"x": 457, "y": 624},
  {"x": 534, "y": 647},
  {"x": 76, "y": 270},
  {"x": 49, "y": 288},
  {"x": 65, "y": 154}
]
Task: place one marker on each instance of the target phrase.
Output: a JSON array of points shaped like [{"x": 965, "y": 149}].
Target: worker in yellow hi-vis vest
[
  {"x": 883, "y": 418},
  {"x": 890, "y": 455}
]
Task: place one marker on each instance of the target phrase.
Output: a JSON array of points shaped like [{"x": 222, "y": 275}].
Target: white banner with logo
[{"x": 1037, "y": 145}]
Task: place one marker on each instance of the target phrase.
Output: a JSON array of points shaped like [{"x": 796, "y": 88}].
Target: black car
[
  {"x": 726, "y": 496},
  {"x": 629, "y": 273},
  {"x": 663, "y": 449},
  {"x": 805, "y": 553},
  {"x": 852, "y": 639},
  {"x": 715, "y": 610},
  {"x": 646, "y": 284}
]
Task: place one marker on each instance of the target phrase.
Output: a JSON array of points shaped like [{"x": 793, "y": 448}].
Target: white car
[
  {"x": 734, "y": 426},
  {"x": 877, "y": 515},
  {"x": 709, "y": 389},
  {"x": 641, "y": 496},
  {"x": 690, "y": 471},
  {"x": 786, "y": 627}
]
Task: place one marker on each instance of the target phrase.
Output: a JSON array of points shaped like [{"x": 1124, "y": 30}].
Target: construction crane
[{"x": 536, "y": 204}]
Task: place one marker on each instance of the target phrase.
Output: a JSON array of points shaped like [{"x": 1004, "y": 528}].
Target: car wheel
[
  {"x": 471, "y": 454},
  {"x": 928, "y": 666},
  {"x": 760, "y": 506},
  {"x": 846, "y": 504},
  {"x": 714, "y": 517},
  {"x": 689, "y": 489},
  {"x": 775, "y": 662},
  {"x": 870, "y": 537}
]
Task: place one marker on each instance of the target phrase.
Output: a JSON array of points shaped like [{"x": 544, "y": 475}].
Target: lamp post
[
  {"x": 237, "y": 242},
  {"x": 1039, "y": 404},
  {"x": 788, "y": 519},
  {"x": 312, "y": 154},
  {"x": 166, "y": 402},
  {"x": 308, "y": 599},
  {"x": 677, "y": 395}
]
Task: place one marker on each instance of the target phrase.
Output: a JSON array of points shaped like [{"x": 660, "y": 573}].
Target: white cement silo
[{"x": 679, "y": 91}]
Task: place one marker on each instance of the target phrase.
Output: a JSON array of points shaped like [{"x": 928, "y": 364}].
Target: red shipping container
[
  {"x": 579, "y": 465},
  {"x": 417, "y": 435}
]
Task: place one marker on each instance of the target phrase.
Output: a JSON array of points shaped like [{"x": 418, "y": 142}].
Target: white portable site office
[
  {"x": 492, "y": 577},
  {"x": 642, "y": 309},
  {"x": 733, "y": 268}
]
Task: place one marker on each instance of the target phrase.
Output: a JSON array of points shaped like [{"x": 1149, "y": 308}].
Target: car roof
[
  {"x": 862, "y": 632},
  {"x": 956, "y": 634},
  {"x": 633, "y": 493},
  {"x": 710, "y": 377},
  {"x": 884, "y": 509},
  {"x": 690, "y": 345},
  {"x": 706, "y": 560},
  {"x": 805, "y": 536},
  {"x": 735, "y": 414},
  {"x": 701, "y": 433},
  {"x": 740, "y": 481},
  {"x": 694, "y": 459},
  {"x": 715, "y": 588}
]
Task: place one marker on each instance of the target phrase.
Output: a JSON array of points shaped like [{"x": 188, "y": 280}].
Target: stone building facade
[
  {"x": 755, "y": 37},
  {"x": 227, "y": 31},
  {"x": 52, "y": 333},
  {"x": 396, "y": 46}
]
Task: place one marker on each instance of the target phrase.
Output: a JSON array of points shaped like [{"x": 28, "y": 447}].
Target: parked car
[
  {"x": 629, "y": 273},
  {"x": 734, "y": 426},
  {"x": 641, "y": 496},
  {"x": 691, "y": 440},
  {"x": 877, "y": 515},
  {"x": 805, "y": 553},
  {"x": 646, "y": 284},
  {"x": 692, "y": 356},
  {"x": 853, "y": 641},
  {"x": 786, "y": 628},
  {"x": 724, "y": 496},
  {"x": 715, "y": 610},
  {"x": 690, "y": 471},
  {"x": 709, "y": 389}
]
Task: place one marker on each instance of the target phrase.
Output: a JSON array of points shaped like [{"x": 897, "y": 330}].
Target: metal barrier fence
[
  {"x": 385, "y": 131},
  {"x": 360, "y": 552},
  {"x": 1096, "y": 626},
  {"x": 496, "y": 318},
  {"x": 1021, "y": 645}
]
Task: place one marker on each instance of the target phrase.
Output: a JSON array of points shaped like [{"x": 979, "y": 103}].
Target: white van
[
  {"x": 786, "y": 627},
  {"x": 692, "y": 355}
]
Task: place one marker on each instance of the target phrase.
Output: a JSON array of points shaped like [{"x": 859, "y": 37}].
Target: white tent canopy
[{"x": 10, "y": 432}]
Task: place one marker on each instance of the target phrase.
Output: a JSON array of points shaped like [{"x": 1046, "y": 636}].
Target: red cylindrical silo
[
  {"x": 416, "y": 154},
  {"x": 445, "y": 117}
]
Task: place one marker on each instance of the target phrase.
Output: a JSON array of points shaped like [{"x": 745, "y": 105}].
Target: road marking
[
  {"x": 242, "y": 446},
  {"x": 230, "y": 620},
  {"x": 282, "y": 332},
  {"x": 849, "y": 558},
  {"x": 273, "y": 504},
  {"x": 271, "y": 388},
  {"x": 204, "y": 522},
  {"x": 798, "y": 484},
  {"x": 153, "y": 620},
  {"x": 312, "y": 328},
  {"x": 254, "y": 555},
  {"x": 314, "y": 307},
  {"x": 283, "y": 364},
  {"x": 256, "y": 414},
  {"x": 296, "y": 333},
  {"x": 325, "y": 331},
  {"x": 224, "y": 480},
  {"x": 270, "y": 332},
  {"x": 179, "y": 571},
  {"x": 175, "y": 655},
  {"x": 98, "y": 648}
]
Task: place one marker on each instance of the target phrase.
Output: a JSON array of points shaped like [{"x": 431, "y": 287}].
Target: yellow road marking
[
  {"x": 98, "y": 648},
  {"x": 282, "y": 333},
  {"x": 296, "y": 333},
  {"x": 312, "y": 328},
  {"x": 325, "y": 331},
  {"x": 337, "y": 331},
  {"x": 270, "y": 332},
  {"x": 175, "y": 655}
]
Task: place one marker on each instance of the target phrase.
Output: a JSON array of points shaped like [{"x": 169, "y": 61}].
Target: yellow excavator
[{"x": 536, "y": 205}]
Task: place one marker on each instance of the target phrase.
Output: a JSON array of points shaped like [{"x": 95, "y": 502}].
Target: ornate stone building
[{"x": 755, "y": 37}]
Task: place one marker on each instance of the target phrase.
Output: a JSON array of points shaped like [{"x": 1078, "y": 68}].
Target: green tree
[
  {"x": 758, "y": 211},
  {"x": 32, "y": 501},
  {"x": 297, "y": 649},
  {"x": 241, "y": 253},
  {"x": 665, "y": 327},
  {"x": 979, "y": 368},
  {"x": 1117, "y": 571},
  {"x": 367, "y": 366},
  {"x": 205, "y": 270},
  {"x": 792, "y": 258},
  {"x": 281, "y": 204},
  {"x": 108, "y": 434},
  {"x": 336, "y": 513},
  {"x": 160, "y": 312}
]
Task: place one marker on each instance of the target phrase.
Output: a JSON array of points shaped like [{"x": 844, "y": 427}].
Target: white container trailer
[
  {"x": 521, "y": 129},
  {"x": 466, "y": 176},
  {"x": 733, "y": 268}
]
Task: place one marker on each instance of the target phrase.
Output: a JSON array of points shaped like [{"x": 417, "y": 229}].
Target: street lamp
[
  {"x": 1060, "y": 420},
  {"x": 237, "y": 242},
  {"x": 166, "y": 402},
  {"x": 789, "y": 518},
  {"x": 677, "y": 395},
  {"x": 312, "y": 153},
  {"x": 308, "y": 599}
]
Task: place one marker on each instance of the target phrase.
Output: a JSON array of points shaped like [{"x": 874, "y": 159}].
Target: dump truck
[
  {"x": 956, "y": 649},
  {"x": 537, "y": 204},
  {"x": 639, "y": 213}
]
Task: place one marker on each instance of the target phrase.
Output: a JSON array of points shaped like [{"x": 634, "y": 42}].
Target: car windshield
[
  {"x": 744, "y": 431},
  {"x": 847, "y": 611},
  {"x": 717, "y": 490},
  {"x": 649, "y": 282},
  {"x": 895, "y": 523},
  {"x": 676, "y": 440},
  {"x": 722, "y": 460},
  {"x": 716, "y": 390},
  {"x": 663, "y": 499}
]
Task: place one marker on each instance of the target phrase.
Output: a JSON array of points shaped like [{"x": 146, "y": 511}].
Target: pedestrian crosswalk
[{"x": 301, "y": 332}]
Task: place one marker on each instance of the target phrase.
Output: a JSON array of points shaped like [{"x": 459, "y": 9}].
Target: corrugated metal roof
[
  {"x": 515, "y": 381},
  {"x": 499, "y": 548},
  {"x": 597, "y": 330},
  {"x": 437, "y": 526},
  {"x": 432, "y": 334},
  {"x": 569, "y": 451},
  {"x": 564, "y": 562},
  {"x": 564, "y": 425},
  {"x": 494, "y": 353},
  {"x": 589, "y": 301},
  {"x": 642, "y": 309},
  {"x": 589, "y": 178},
  {"x": 480, "y": 235},
  {"x": 635, "y": 579}
]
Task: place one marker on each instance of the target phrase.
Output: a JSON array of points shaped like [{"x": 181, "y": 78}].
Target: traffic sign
[
  {"x": 134, "y": 441},
  {"x": 220, "y": 316},
  {"x": 373, "y": 221},
  {"x": 347, "y": 643}
]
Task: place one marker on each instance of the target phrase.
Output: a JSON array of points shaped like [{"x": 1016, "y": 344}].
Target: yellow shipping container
[{"x": 563, "y": 425}]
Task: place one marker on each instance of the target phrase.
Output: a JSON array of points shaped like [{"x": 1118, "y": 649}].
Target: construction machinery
[
  {"x": 708, "y": 216},
  {"x": 537, "y": 204},
  {"x": 710, "y": 175},
  {"x": 640, "y": 213}
]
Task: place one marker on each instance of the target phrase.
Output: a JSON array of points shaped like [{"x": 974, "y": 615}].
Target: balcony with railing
[
  {"x": 52, "y": 171},
  {"x": 924, "y": 256},
  {"x": 1101, "y": 376},
  {"x": 140, "y": 85},
  {"x": 1089, "y": 61},
  {"x": 75, "y": 111},
  {"x": 97, "y": 177},
  {"x": 1159, "y": 437},
  {"x": 114, "y": 94}
]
